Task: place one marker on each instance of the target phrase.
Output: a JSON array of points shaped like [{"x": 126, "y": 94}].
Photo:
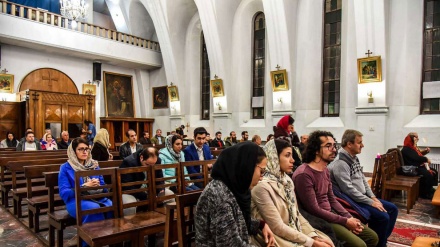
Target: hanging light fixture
[{"x": 75, "y": 10}]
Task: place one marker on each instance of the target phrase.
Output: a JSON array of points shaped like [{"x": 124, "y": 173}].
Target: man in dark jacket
[
  {"x": 65, "y": 142},
  {"x": 29, "y": 144},
  {"x": 197, "y": 151},
  {"x": 143, "y": 157},
  {"x": 217, "y": 142},
  {"x": 131, "y": 146}
]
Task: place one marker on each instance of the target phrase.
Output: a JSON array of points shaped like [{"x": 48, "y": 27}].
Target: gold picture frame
[
  {"x": 217, "y": 88},
  {"x": 6, "y": 83},
  {"x": 173, "y": 93},
  {"x": 279, "y": 80},
  {"x": 89, "y": 89},
  {"x": 118, "y": 95},
  {"x": 369, "y": 69}
]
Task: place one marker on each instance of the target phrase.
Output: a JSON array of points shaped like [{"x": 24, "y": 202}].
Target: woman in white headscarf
[
  {"x": 101, "y": 144},
  {"x": 274, "y": 201}
]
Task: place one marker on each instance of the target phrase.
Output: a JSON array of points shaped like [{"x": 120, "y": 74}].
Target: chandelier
[{"x": 75, "y": 10}]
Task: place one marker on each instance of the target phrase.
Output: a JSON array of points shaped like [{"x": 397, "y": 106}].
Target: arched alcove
[{"x": 48, "y": 79}]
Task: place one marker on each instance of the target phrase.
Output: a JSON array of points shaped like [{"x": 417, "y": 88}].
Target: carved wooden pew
[{"x": 204, "y": 173}]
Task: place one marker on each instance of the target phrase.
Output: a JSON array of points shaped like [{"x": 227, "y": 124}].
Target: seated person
[
  {"x": 144, "y": 157},
  {"x": 273, "y": 200},
  {"x": 79, "y": 159},
  {"x": 172, "y": 153},
  {"x": 64, "y": 142},
  {"x": 197, "y": 151},
  {"x": 145, "y": 139},
  {"x": 217, "y": 141},
  {"x": 29, "y": 143},
  {"x": 256, "y": 139},
  {"x": 347, "y": 177},
  {"x": 9, "y": 142},
  {"x": 231, "y": 140},
  {"x": 48, "y": 143},
  {"x": 101, "y": 144},
  {"x": 314, "y": 191},
  {"x": 131, "y": 146},
  {"x": 413, "y": 156}
]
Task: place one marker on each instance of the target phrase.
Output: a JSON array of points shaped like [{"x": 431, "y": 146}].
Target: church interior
[{"x": 225, "y": 65}]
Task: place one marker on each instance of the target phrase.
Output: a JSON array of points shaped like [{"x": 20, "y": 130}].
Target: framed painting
[
  {"x": 279, "y": 80},
  {"x": 118, "y": 95},
  {"x": 6, "y": 83},
  {"x": 217, "y": 88},
  {"x": 160, "y": 97},
  {"x": 89, "y": 89},
  {"x": 369, "y": 69},
  {"x": 173, "y": 93}
]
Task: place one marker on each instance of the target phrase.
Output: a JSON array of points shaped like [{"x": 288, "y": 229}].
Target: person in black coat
[{"x": 143, "y": 157}]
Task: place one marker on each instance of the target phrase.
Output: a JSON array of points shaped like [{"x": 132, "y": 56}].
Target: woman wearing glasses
[
  {"x": 79, "y": 159},
  {"x": 413, "y": 156},
  {"x": 223, "y": 214},
  {"x": 274, "y": 201}
]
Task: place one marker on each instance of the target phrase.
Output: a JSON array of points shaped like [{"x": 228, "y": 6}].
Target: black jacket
[
  {"x": 134, "y": 161},
  {"x": 144, "y": 140},
  {"x": 412, "y": 158},
  {"x": 63, "y": 145},
  {"x": 125, "y": 150},
  {"x": 99, "y": 152}
]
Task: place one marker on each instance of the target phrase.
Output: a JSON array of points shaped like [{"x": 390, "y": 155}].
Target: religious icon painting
[
  {"x": 6, "y": 83},
  {"x": 89, "y": 89},
  {"x": 217, "y": 88},
  {"x": 369, "y": 69},
  {"x": 118, "y": 95},
  {"x": 279, "y": 80},
  {"x": 160, "y": 97},
  {"x": 173, "y": 93}
]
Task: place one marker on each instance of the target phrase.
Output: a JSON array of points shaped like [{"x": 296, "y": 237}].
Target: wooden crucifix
[{"x": 368, "y": 53}]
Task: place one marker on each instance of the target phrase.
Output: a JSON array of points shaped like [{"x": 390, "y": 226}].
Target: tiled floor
[{"x": 14, "y": 232}]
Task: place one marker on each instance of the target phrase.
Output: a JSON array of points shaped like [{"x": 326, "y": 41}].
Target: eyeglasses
[
  {"x": 82, "y": 150},
  {"x": 262, "y": 170},
  {"x": 330, "y": 146}
]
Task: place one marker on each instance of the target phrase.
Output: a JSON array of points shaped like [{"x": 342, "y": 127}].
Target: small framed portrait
[
  {"x": 173, "y": 93},
  {"x": 6, "y": 83},
  {"x": 217, "y": 88},
  {"x": 369, "y": 69},
  {"x": 89, "y": 89},
  {"x": 160, "y": 97},
  {"x": 279, "y": 80}
]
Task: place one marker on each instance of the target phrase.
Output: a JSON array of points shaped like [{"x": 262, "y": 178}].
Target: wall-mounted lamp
[
  {"x": 370, "y": 97},
  {"x": 280, "y": 99},
  {"x": 219, "y": 106}
]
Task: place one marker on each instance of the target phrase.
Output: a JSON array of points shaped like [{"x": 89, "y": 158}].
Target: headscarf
[
  {"x": 46, "y": 144},
  {"x": 235, "y": 168},
  {"x": 102, "y": 137},
  {"x": 285, "y": 122},
  {"x": 409, "y": 142},
  {"x": 9, "y": 143},
  {"x": 169, "y": 146},
  {"x": 89, "y": 164},
  {"x": 274, "y": 173}
]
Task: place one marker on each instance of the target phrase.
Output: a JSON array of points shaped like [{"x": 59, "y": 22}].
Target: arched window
[
  {"x": 332, "y": 58},
  {"x": 431, "y": 59},
  {"x": 258, "y": 55},
  {"x": 205, "y": 85}
]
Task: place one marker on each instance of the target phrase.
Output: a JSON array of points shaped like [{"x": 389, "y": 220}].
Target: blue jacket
[
  {"x": 191, "y": 155},
  {"x": 66, "y": 184},
  {"x": 167, "y": 158}
]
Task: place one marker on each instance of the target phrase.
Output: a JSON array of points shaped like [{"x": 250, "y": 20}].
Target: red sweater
[{"x": 314, "y": 190}]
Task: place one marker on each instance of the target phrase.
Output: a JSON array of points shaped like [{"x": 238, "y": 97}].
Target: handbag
[{"x": 409, "y": 171}]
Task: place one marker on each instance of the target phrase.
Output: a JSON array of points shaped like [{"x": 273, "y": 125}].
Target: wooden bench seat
[
  {"x": 424, "y": 242},
  {"x": 19, "y": 194}
]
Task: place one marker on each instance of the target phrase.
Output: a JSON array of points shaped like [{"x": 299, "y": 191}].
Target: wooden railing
[{"x": 43, "y": 16}]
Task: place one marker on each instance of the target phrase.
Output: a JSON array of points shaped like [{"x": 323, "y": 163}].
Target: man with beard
[
  {"x": 231, "y": 140},
  {"x": 217, "y": 142},
  {"x": 314, "y": 190},
  {"x": 244, "y": 136}
]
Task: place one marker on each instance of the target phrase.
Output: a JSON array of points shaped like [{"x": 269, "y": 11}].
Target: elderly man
[
  {"x": 231, "y": 140},
  {"x": 30, "y": 144},
  {"x": 347, "y": 177},
  {"x": 302, "y": 145},
  {"x": 64, "y": 142},
  {"x": 314, "y": 190},
  {"x": 158, "y": 139},
  {"x": 131, "y": 146},
  {"x": 197, "y": 151}
]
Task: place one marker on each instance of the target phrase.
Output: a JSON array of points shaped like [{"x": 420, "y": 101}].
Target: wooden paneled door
[{"x": 58, "y": 111}]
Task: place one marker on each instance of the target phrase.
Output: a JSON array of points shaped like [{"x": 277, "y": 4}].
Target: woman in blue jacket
[
  {"x": 172, "y": 153},
  {"x": 79, "y": 159}
]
